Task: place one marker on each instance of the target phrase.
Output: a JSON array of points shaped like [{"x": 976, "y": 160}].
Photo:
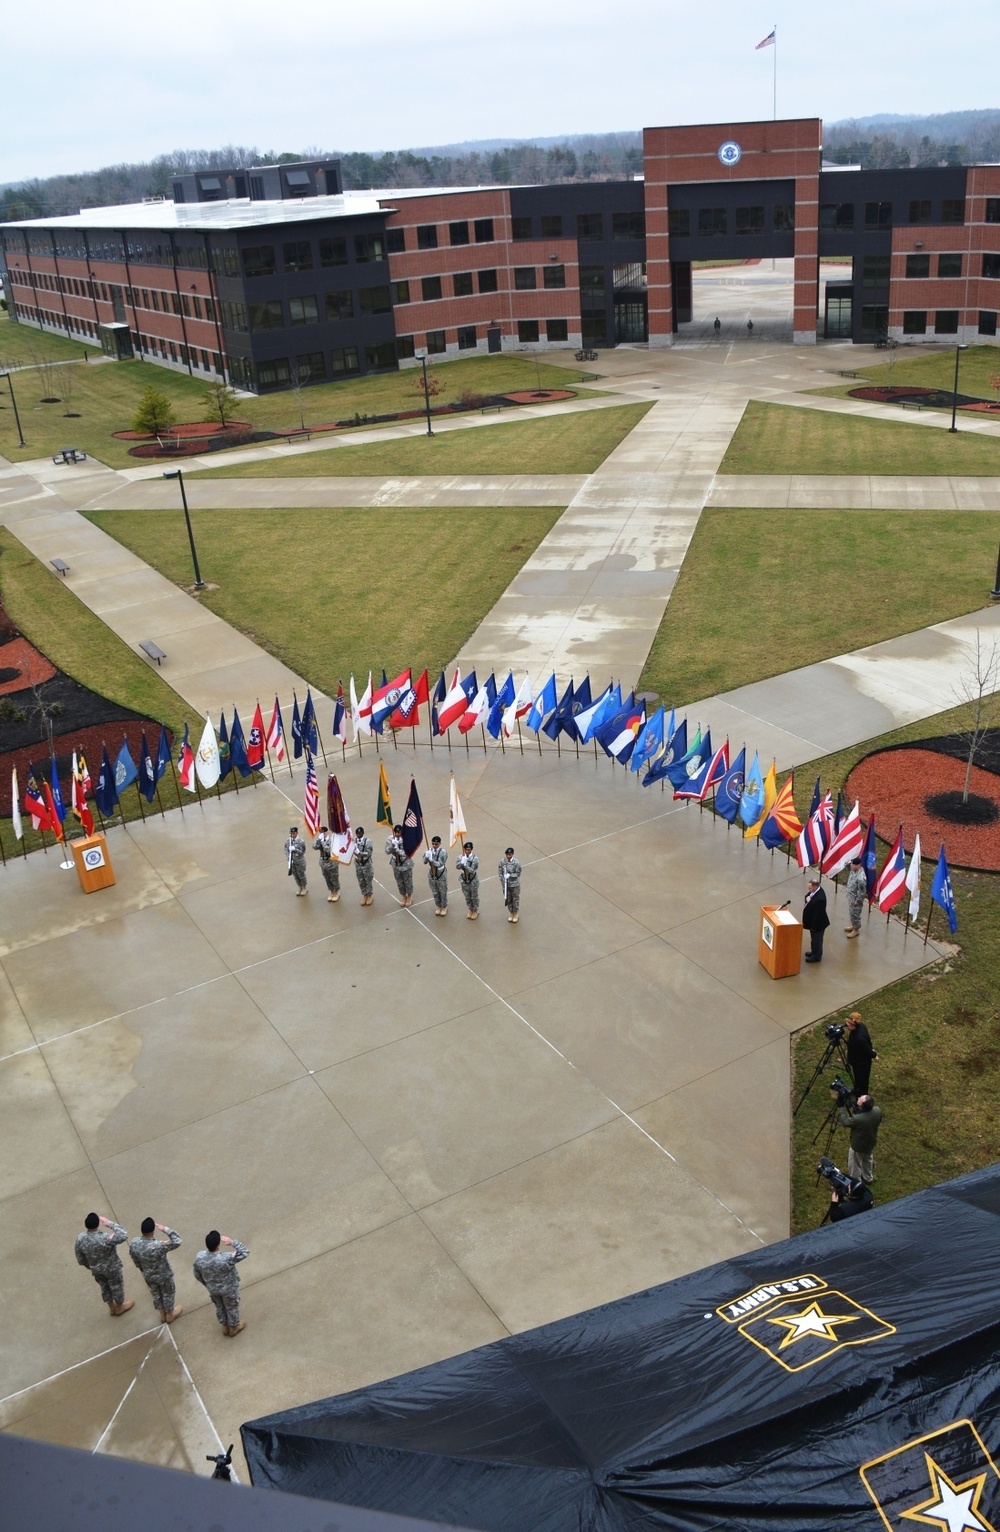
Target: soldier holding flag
[
  {"x": 402, "y": 868},
  {"x": 468, "y": 873},
  {"x": 365, "y": 872},
  {"x": 437, "y": 874}
]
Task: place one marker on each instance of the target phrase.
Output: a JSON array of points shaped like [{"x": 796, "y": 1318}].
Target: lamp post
[
  {"x": 427, "y": 397},
  {"x": 954, "y": 396},
  {"x": 175, "y": 473},
  {"x": 995, "y": 592},
  {"x": 20, "y": 433}
]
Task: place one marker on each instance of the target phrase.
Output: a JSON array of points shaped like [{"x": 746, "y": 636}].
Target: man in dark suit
[{"x": 815, "y": 919}]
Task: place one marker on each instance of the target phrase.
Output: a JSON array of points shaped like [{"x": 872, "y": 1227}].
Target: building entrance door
[
  {"x": 493, "y": 339},
  {"x": 839, "y": 311},
  {"x": 680, "y": 286},
  {"x": 630, "y": 320}
]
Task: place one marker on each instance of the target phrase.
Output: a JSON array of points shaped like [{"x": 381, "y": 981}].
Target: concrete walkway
[{"x": 864, "y": 492}]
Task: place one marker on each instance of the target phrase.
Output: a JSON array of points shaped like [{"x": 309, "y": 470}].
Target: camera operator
[
  {"x": 858, "y": 1200},
  {"x": 860, "y": 1053},
  {"x": 863, "y": 1119}
]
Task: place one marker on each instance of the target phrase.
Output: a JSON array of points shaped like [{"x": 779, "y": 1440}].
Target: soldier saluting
[
  {"x": 510, "y": 882},
  {"x": 402, "y": 867},
  {"x": 95, "y": 1249},
  {"x": 150, "y": 1255},
  {"x": 437, "y": 874},
  {"x": 364, "y": 871},
  {"x": 468, "y": 875},
  {"x": 295, "y": 852}
]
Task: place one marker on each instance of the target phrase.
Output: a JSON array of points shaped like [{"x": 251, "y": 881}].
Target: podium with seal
[
  {"x": 779, "y": 941},
  {"x": 93, "y": 863}
]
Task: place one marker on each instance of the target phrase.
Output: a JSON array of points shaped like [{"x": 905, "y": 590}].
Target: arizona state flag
[{"x": 782, "y": 824}]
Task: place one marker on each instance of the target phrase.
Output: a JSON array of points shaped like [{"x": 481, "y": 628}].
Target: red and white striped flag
[
  {"x": 310, "y": 805},
  {"x": 276, "y": 733},
  {"x": 846, "y": 845},
  {"x": 890, "y": 885},
  {"x": 769, "y": 41}
]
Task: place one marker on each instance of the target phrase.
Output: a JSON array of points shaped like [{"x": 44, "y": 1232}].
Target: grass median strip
[
  {"x": 812, "y": 583},
  {"x": 339, "y": 592},
  {"x": 782, "y": 439},
  {"x": 571, "y": 443}
]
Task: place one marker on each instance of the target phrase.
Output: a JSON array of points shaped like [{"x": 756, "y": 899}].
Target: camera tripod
[
  {"x": 834, "y": 1049},
  {"x": 829, "y": 1126}
]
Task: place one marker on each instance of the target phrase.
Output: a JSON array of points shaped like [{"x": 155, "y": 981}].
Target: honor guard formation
[{"x": 214, "y": 1267}]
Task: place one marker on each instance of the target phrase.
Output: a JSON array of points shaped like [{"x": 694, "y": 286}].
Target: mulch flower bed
[
  {"x": 540, "y": 395},
  {"x": 186, "y": 429},
  {"x": 909, "y": 393},
  {"x": 30, "y": 667},
  {"x": 896, "y": 784}
]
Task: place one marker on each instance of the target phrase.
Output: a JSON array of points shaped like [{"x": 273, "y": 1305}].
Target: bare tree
[
  {"x": 46, "y": 370},
  {"x": 220, "y": 402},
  {"x": 978, "y": 691},
  {"x": 67, "y": 383}
]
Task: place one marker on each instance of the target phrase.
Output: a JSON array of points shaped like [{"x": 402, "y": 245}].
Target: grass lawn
[
  {"x": 778, "y": 438},
  {"x": 335, "y": 592},
  {"x": 811, "y": 584},
  {"x": 105, "y": 398},
  {"x": 80, "y": 644},
  {"x": 570, "y": 443},
  {"x": 976, "y": 367},
  {"x": 20, "y": 346},
  {"x": 937, "y": 1035}
]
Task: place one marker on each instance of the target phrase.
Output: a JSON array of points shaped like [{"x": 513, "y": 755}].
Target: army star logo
[
  {"x": 945, "y": 1480},
  {"x": 812, "y": 1321},
  {"x": 814, "y": 1331}
]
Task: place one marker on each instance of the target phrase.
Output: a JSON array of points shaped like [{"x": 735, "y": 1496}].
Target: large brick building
[{"x": 271, "y": 276}]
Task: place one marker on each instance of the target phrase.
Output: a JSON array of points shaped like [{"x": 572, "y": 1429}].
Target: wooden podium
[
  {"x": 779, "y": 941},
  {"x": 93, "y": 864}
]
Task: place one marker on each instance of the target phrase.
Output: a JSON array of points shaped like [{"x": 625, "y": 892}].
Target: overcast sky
[{"x": 93, "y": 84}]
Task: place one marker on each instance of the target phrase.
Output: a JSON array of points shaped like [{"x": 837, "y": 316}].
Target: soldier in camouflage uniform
[
  {"x": 437, "y": 874},
  {"x": 216, "y": 1270},
  {"x": 95, "y": 1249},
  {"x": 150, "y": 1255},
  {"x": 328, "y": 864},
  {"x": 402, "y": 867},
  {"x": 295, "y": 855},
  {"x": 365, "y": 872},
  {"x": 468, "y": 874},
  {"x": 510, "y": 882}
]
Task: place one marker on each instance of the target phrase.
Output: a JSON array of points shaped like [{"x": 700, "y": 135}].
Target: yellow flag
[
  {"x": 383, "y": 811},
  {"x": 770, "y": 793}
]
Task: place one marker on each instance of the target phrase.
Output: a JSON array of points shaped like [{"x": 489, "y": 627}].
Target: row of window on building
[
  {"x": 879, "y": 215},
  {"x": 945, "y": 322},
  {"x": 189, "y": 305},
  {"x": 876, "y": 269},
  {"x": 715, "y": 220}
]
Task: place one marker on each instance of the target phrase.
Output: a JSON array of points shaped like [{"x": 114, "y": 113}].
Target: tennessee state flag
[{"x": 255, "y": 742}]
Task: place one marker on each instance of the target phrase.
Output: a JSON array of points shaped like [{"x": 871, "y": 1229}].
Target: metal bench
[
  {"x": 302, "y": 434},
  {"x": 60, "y": 566},
  {"x": 152, "y": 650},
  {"x": 69, "y": 455}
]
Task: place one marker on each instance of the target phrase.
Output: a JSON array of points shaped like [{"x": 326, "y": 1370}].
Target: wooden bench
[
  {"x": 152, "y": 650},
  {"x": 60, "y": 566}
]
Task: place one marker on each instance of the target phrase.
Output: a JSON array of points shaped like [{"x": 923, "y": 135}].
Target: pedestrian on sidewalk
[
  {"x": 95, "y": 1249},
  {"x": 150, "y": 1255},
  {"x": 510, "y": 882},
  {"x": 363, "y": 869},
  {"x": 328, "y": 864},
  {"x": 468, "y": 874},
  {"x": 295, "y": 853},
  {"x": 216, "y": 1270},
  {"x": 857, "y": 893},
  {"x": 437, "y": 874}
]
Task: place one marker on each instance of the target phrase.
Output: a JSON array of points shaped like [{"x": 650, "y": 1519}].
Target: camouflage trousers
[
  {"x": 471, "y": 892},
  {"x": 331, "y": 872},
  {"x": 513, "y": 899},
  {"x": 439, "y": 888},
  {"x": 112, "y": 1285},
  {"x": 298, "y": 871},
  {"x": 404, "y": 879},
  {"x": 163, "y": 1293},
  {"x": 227, "y": 1308},
  {"x": 365, "y": 873},
  {"x": 854, "y": 909}
]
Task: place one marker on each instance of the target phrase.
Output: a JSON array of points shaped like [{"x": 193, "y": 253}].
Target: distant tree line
[
  {"x": 956, "y": 138},
  {"x": 607, "y": 156}
]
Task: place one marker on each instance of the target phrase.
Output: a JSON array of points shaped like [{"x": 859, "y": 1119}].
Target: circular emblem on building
[{"x": 730, "y": 152}]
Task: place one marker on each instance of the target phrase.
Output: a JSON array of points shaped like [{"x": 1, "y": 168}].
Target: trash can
[{"x": 93, "y": 863}]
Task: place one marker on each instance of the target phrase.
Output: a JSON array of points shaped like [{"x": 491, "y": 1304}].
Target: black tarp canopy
[{"x": 835, "y": 1380}]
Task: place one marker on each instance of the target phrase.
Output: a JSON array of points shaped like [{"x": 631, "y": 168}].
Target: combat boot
[
  {"x": 237, "y": 1328},
  {"x": 175, "y": 1313}
]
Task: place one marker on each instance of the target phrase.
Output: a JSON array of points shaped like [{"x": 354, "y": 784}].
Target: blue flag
[
  {"x": 681, "y": 772},
  {"x": 545, "y": 703},
  {"x": 105, "y": 793},
  {"x": 628, "y": 716},
  {"x": 590, "y": 719},
  {"x": 440, "y": 692},
  {"x": 581, "y": 698},
  {"x": 942, "y": 892},
  {"x": 561, "y": 720},
  {"x": 649, "y": 741},
  {"x": 147, "y": 773},
  {"x": 297, "y": 725},
  {"x": 727, "y": 799},
  {"x": 125, "y": 769},
  {"x": 752, "y": 801},
  {"x": 225, "y": 757},
  {"x": 57, "y": 800},
  {"x": 868, "y": 859},
  {"x": 505, "y": 697},
  {"x": 413, "y": 821},
  {"x": 238, "y": 746},
  {"x": 162, "y": 753},
  {"x": 676, "y": 750},
  {"x": 310, "y": 730}
]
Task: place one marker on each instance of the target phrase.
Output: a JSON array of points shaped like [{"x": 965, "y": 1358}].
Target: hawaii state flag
[
  {"x": 782, "y": 824},
  {"x": 891, "y": 883},
  {"x": 727, "y": 799},
  {"x": 845, "y": 846},
  {"x": 413, "y": 822},
  {"x": 817, "y": 833},
  {"x": 339, "y": 822},
  {"x": 255, "y": 742},
  {"x": 310, "y": 800},
  {"x": 185, "y": 770},
  {"x": 275, "y": 733}
]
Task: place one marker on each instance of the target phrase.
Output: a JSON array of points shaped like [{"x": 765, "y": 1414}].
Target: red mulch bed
[
  {"x": 540, "y": 395},
  {"x": 90, "y": 740},
  {"x": 895, "y": 783},
  {"x": 985, "y": 407},
  {"x": 188, "y": 428},
  {"x": 31, "y": 666}
]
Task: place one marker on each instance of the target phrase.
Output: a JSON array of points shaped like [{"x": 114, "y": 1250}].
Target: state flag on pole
[
  {"x": 559, "y": 722},
  {"x": 783, "y": 823},
  {"x": 479, "y": 708},
  {"x": 275, "y": 733},
  {"x": 752, "y": 800},
  {"x": 383, "y": 809},
  {"x": 456, "y": 819},
  {"x": 147, "y": 774},
  {"x": 891, "y": 883},
  {"x": 727, "y": 799},
  {"x": 590, "y": 719},
  {"x": 34, "y": 804},
  {"x": 162, "y": 754},
  {"x": 913, "y": 879},
  {"x": 340, "y": 716},
  {"x": 942, "y": 892},
  {"x": 619, "y": 735},
  {"x": 255, "y": 742},
  {"x": 520, "y": 705},
  {"x": 769, "y": 41},
  {"x": 407, "y": 714},
  {"x": 675, "y": 750},
  {"x": 504, "y": 698},
  {"x": 15, "y": 806},
  {"x": 386, "y": 698},
  {"x": 56, "y": 792},
  {"x": 869, "y": 860},
  {"x": 711, "y": 774},
  {"x": 84, "y": 774},
  {"x": 581, "y": 699},
  {"x": 55, "y": 823},
  {"x": 649, "y": 741},
  {"x": 453, "y": 704},
  {"x": 361, "y": 712},
  {"x": 413, "y": 822},
  {"x": 339, "y": 822},
  {"x": 544, "y": 704},
  {"x": 78, "y": 794},
  {"x": 106, "y": 793},
  {"x": 238, "y": 747},
  {"x": 440, "y": 692},
  {"x": 845, "y": 845},
  {"x": 817, "y": 833},
  {"x": 770, "y": 795},
  {"x": 310, "y": 800},
  {"x": 296, "y": 728},
  {"x": 185, "y": 772},
  {"x": 310, "y": 729},
  {"x": 206, "y": 761},
  {"x": 683, "y": 772},
  {"x": 225, "y": 758}
]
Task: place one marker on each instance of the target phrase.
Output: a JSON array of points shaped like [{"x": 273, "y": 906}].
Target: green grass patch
[
  {"x": 22, "y": 346},
  {"x": 571, "y": 443},
  {"x": 779, "y": 438},
  {"x": 975, "y": 369},
  {"x": 811, "y": 584},
  {"x": 937, "y": 1033},
  {"x": 105, "y": 399},
  {"x": 333, "y": 593},
  {"x": 85, "y": 648}
]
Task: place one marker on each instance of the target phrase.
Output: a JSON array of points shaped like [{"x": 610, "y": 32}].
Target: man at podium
[{"x": 815, "y": 919}]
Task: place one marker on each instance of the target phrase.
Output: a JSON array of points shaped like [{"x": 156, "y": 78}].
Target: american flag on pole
[
  {"x": 769, "y": 41},
  {"x": 310, "y": 804}
]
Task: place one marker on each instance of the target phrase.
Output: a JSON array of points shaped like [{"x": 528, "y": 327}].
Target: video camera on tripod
[
  {"x": 837, "y": 1179},
  {"x": 844, "y": 1093},
  {"x": 834, "y": 1032},
  {"x": 223, "y": 1463}
]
